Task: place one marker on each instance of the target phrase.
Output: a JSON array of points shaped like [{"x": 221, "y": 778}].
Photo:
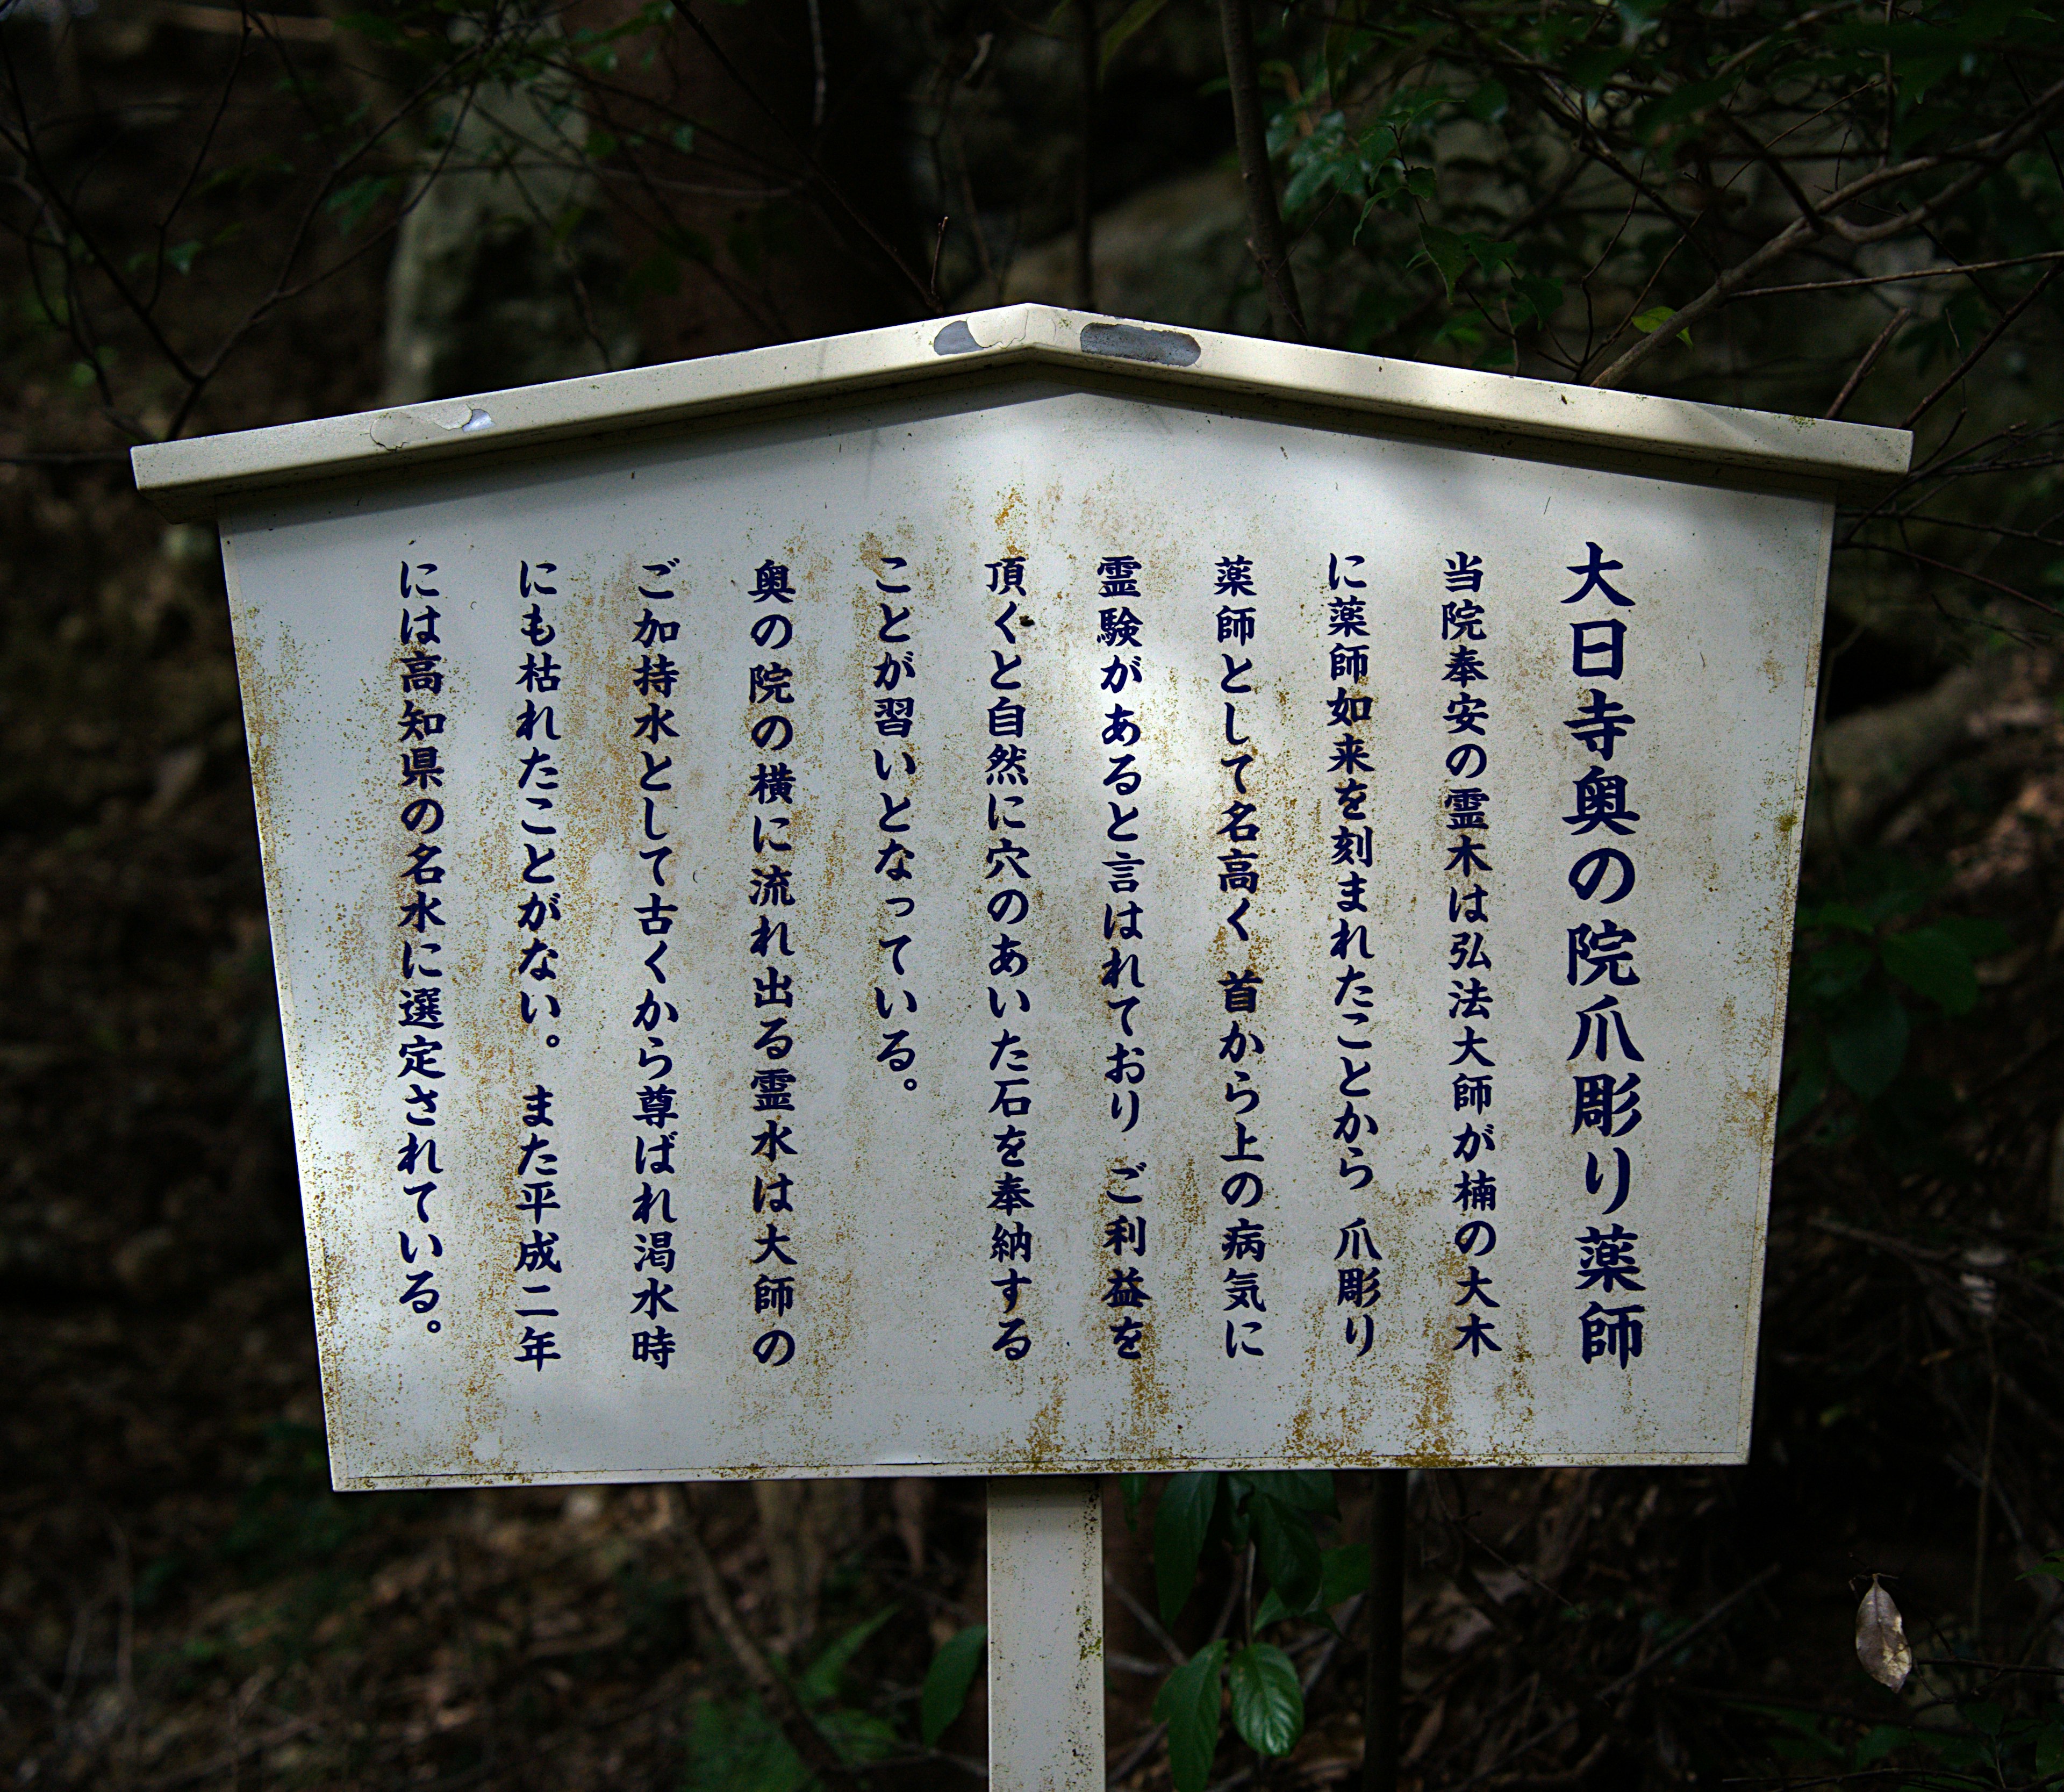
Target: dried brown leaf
[{"x": 1881, "y": 1639}]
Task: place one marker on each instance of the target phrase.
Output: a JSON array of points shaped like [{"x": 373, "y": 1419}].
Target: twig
[
  {"x": 1333, "y": 1645},
  {"x": 1265, "y": 241},
  {"x": 1870, "y": 361},
  {"x": 817, "y": 63},
  {"x": 1989, "y": 1667},
  {"x": 1149, "y": 1739},
  {"x": 1921, "y": 559},
  {"x": 776, "y": 1693},
  {"x": 1676, "y": 1644},
  {"x": 1984, "y": 1492},
  {"x": 236, "y": 21},
  {"x": 831, "y": 188},
  {"x": 1900, "y": 279},
  {"x": 1145, "y": 1619},
  {"x": 1662, "y": 1653},
  {"x": 1983, "y": 157},
  {"x": 221, "y": 1763},
  {"x": 974, "y": 219},
  {"x": 1984, "y": 343}
]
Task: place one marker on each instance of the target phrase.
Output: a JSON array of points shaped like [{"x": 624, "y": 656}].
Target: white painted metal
[
  {"x": 896, "y": 1316},
  {"x": 200, "y": 479},
  {"x": 1045, "y": 1634},
  {"x": 895, "y": 1366}
]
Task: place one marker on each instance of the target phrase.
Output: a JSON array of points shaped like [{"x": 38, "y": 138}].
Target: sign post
[
  {"x": 1030, "y": 896},
  {"x": 1045, "y": 1634}
]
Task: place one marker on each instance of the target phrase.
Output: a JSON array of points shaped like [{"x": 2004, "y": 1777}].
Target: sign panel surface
[{"x": 1040, "y": 931}]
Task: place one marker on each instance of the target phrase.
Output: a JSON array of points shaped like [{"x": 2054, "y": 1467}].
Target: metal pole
[
  {"x": 1386, "y": 1632},
  {"x": 1045, "y": 1634}
]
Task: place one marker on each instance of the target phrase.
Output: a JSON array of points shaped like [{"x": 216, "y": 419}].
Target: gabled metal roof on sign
[{"x": 1491, "y": 412}]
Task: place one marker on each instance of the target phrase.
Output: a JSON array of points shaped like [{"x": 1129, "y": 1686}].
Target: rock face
[
  {"x": 1174, "y": 253},
  {"x": 1864, "y": 763},
  {"x": 503, "y": 272}
]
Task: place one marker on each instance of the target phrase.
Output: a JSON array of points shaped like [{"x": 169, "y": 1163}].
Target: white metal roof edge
[{"x": 196, "y": 478}]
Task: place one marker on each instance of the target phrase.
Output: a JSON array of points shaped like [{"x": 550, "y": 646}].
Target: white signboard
[{"x": 1029, "y": 928}]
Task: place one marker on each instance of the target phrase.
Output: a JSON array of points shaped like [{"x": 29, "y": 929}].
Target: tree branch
[
  {"x": 1265, "y": 241},
  {"x": 808, "y": 1741},
  {"x": 1978, "y": 351},
  {"x": 1986, "y": 154},
  {"x": 1870, "y": 361}
]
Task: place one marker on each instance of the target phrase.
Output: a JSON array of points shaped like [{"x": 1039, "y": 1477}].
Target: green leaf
[
  {"x": 1868, "y": 1046},
  {"x": 1928, "y": 960},
  {"x": 820, "y": 1682},
  {"x": 1652, "y": 120},
  {"x": 2051, "y": 1567},
  {"x": 1879, "y": 1743},
  {"x": 1306, "y": 1489},
  {"x": 1268, "y": 1704},
  {"x": 1489, "y": 103},
  {"x": 351, "y": 203},
  {"x": 737, "y": 1747},
  {"x": 2050, "y": 1750},
  {"x": 1981, "y": 939},
  {"x": 1288, "y": 1550},
  {"x": 684, "y": 138},
  {"x": 1536, "y": 299},
  {"x": 181, "y": 255},
  {"x": 1590, "y": 70},
  {"x": 1180, "y": 1524},
  {"x": 948, "y": 1680},
  {"x": 1131, "y": 1489},
  {"x": 1836, "y": 969},
  {"x": 1652, "y": 319},
  {"x": 1835, "y": 914},
  {"x": 1188, "y": 1703},
  {"x": 1452, "y": 251},
  {"x": 1343, "y": 1572},
  {"x": 1807, "y": 1087},
  {"x": 1447, "y": 251},
  {"x": 1121, "y": 30},
  {"x": 860, "y": 1735}
]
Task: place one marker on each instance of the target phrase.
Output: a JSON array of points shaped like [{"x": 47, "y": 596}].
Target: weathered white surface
[
  {"x": 199, "y": 477},
  {"x": 896, "y": 1312},
  {"x": 1045, "y": 1634}
]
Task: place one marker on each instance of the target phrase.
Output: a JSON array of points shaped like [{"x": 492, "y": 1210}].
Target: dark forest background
[{"x": 211, "y": 219}]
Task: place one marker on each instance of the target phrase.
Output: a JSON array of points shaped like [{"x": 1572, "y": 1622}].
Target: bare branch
[
  {"x": 1980, "y": 349},
  {"x": 1870, "y": 361},
  {"x": 786, "y": 1710},
  {"x": 1985, "y": 156},
  {"x": 1955, "y": 270}
]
